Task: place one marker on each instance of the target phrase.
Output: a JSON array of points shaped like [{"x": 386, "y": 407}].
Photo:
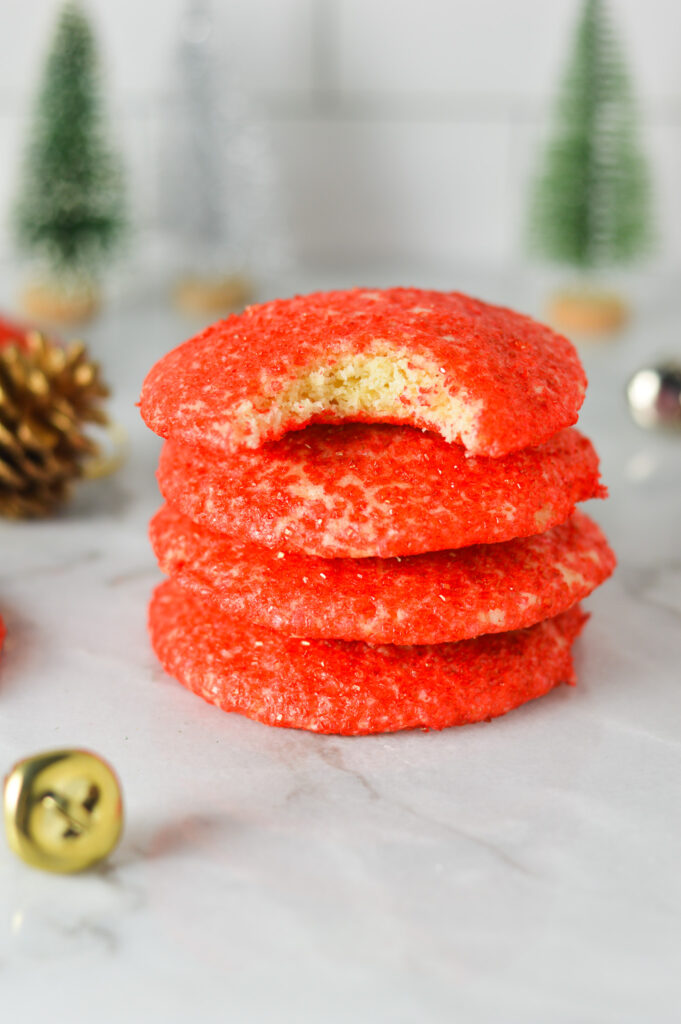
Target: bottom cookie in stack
[{"x": 350, "y": 687}]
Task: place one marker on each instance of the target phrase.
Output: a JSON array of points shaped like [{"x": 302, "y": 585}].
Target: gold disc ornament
[{"x": 63, "y": 810}]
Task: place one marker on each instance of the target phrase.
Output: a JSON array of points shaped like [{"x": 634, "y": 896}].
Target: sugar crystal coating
[
  {"x": 480, "y": 375},
  {"x": 361, "y": 490},
  {"x": 350, "y": 688},
  {"x": 423, "y": 599}
]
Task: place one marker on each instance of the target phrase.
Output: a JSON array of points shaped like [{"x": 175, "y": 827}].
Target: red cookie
[
  {"x": 423, "y": 599},
  {"x": 486, "y": 377},
  {"x": 359, "y": 490},
  {"x": 333, "y": 686}
]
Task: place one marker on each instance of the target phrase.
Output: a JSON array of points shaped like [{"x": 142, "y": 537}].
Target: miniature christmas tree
[
  {"x": 590, "y": 206},
  {"x": 70, "y": 212},
  {"x": 217, "y": 191}
]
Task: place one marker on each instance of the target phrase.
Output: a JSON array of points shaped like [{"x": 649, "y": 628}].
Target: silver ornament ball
[{"x": 654, "y": 395}]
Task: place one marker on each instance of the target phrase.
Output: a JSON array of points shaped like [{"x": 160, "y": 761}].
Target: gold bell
[{"x": 63, "y": 810}]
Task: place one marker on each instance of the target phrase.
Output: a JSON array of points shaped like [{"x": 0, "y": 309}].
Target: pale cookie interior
[{"x": 379, "y": 386}]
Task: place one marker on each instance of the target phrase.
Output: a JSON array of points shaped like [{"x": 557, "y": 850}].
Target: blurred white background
[{"x": 401, "y": 131}]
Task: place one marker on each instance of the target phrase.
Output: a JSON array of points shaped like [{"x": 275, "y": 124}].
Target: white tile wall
[
  {"x": 403, "y": 129},
  {"x": 382, "y": 190},
  {"x": 475, "y": 49}
]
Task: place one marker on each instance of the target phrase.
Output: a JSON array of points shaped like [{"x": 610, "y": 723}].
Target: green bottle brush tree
[
  {"x": 70, "y": 211},
  {"x": 590, "y": 208}
]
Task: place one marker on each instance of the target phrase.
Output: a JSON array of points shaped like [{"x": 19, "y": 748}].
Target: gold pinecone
[{"x": 47, "y": 393}]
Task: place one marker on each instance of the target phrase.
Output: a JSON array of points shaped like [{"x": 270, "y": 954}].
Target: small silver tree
[{"x": 218, "y": 190}]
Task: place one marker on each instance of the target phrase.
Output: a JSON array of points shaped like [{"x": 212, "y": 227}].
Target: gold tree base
[
  {"x": 219, "y": 294},
  {"x": 52, "y": 304},
  {"x": 588, "y": 312}
]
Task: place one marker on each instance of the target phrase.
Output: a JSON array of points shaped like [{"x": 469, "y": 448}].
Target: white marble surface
[{"x": 523, "y": 872}]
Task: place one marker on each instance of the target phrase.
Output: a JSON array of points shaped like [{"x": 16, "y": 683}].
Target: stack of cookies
[{"x": 370, "y": 517}]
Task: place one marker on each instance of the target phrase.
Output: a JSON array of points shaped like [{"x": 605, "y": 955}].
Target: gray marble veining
[{"x": 523, "y": 871}]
